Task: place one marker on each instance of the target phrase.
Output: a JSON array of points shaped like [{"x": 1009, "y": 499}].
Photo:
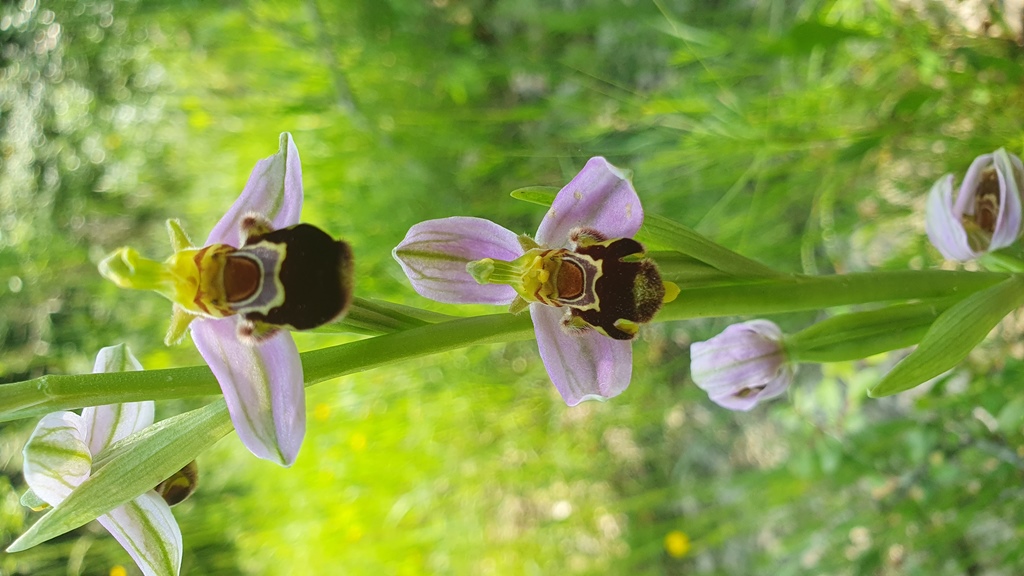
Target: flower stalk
[{"x": 792, "y": 294}]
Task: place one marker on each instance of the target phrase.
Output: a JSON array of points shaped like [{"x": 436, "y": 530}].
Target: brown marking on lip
[
  {"x": 241, "y": 278},
  {"x": 569, "y": 281}
]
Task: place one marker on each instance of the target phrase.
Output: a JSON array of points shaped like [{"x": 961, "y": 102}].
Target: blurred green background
[{"x": 803, "y": 133}]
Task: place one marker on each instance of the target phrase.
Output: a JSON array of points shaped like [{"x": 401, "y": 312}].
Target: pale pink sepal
[
  {"x": 434, "y": 255},
  {"x": 599, "y": 197},
  {"x": 582, "y": 366},
  {"x": 274, "y": 191},
  {"x": 262, "y": 385}
]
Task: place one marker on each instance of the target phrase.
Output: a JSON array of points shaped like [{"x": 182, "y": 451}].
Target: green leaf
[
  {"x": 953, "y": 335},
  {"x": 661, "y": 232},
  {"x": 861, "y": 334},
  {"x": 543, "y": 195},
  {"x": 132, "y": 467}
]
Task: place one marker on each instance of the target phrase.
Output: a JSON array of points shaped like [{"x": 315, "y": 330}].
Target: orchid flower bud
[
  {"x": 986, "y": 215},
  {"x": 743, "y": 365}
]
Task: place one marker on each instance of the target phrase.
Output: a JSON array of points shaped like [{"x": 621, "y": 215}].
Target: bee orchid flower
[
  {"x": 986, "y": 214},
  {"x": 259, "y": 274},
  {"x": 59, "y": 456},
  {"x": 587, "y": 283}
]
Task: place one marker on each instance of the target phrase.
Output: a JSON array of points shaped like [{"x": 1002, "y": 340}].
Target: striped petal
[
  {"x": 434, "y": 255},
  {"x": 105, "y": 425},
  {"x": 262, "y": 386},
  {"x": 146, "y": 528},
  {"x": 942, "y": 223},
  {"x": 57, "y": 457},
  {"x": 742, "y": 366},
  {"x": 274, "y": 190}
]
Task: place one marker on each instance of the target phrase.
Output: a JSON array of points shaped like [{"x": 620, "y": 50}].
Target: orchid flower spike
[
  {"x": 587, "y": 283},
  {"x": 743, "y": 365},
  {"x": 986, "y": 215},
  {"x": 259, "y": 274},
  {"x": 59, "y": 457}
]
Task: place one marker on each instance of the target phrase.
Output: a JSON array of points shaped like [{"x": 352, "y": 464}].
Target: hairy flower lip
[
  {"x": 742, "y": 366},
  {"x": 945, "y": 216},
  {"x": 435, "y": 253}
]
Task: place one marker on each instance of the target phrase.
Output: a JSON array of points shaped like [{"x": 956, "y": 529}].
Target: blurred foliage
[{"x": 803, "y": 133}]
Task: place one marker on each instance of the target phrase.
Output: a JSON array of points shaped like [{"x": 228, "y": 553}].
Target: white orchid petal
[
  {"x": 57, "y": 458},
  {"x": 105, "y": 425},
  {"x": 147, "y": 530}
]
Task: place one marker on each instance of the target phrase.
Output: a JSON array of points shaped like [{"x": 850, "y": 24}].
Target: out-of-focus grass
[{"x": 801, "y": 133}]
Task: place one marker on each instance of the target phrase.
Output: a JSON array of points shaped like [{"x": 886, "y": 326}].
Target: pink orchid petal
[
  {"x": 1008, "y": 223},
  {"x": 743, "y": 358},
  {"x": 775, "y": 387},
  {"x": 969, "y": 187},
  {"x": 274, "y": 190},
  {"x": 599, "y": 197},
  {"x": 147, "y": 530},
  {"x": 434, "y": 255},
  {"x": 262, "y": 386},
  {"x": 581, "y": 366},
  {"x": 942, "y": 222}
]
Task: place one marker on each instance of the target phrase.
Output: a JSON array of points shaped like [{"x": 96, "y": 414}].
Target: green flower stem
[
  {"x": 682, "y": 269},
  {"x": 798, "y": 293},
  {"x": 55, "y": 392},
  {"x": 794, "y": 293},
  {"x": 371, "y": 317},
  {"x": 335, "y": 361}
]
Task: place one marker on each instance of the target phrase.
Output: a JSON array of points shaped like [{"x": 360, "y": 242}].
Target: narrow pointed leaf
[
  {"x": 542, "y": 195},
  {"x": 953, "y": 335},
  {"x": 858, "y": 335},
  {"x": 130, "y": 468},
  {"x": 661, "y": 232}
]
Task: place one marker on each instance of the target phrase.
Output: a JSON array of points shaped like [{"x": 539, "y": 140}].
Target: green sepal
[
  {"x": 857, "y": 335},
  {"x": 179, "y": 239},
  {"x": 31, "y": 500},
  {"x": 953, "y": 335},
  {"x": 131, "y": 467},
  {"x": 543, "y": 195}
]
